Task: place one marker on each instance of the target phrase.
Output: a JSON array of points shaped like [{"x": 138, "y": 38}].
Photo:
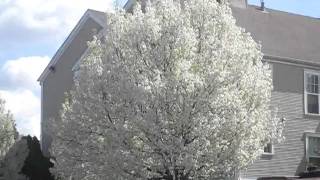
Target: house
[{"x": 290, "y": 43}]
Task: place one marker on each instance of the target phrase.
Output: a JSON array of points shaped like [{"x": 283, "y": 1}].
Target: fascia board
[
  {"x": 67, "y": 43},
  {"x": 129, "y": 4}
]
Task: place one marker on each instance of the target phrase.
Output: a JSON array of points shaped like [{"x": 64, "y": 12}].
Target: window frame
[
  {"x": 307, "y": 135},
  {"x": 269, "y": 153},
  {"x": 305, "y": 86}
]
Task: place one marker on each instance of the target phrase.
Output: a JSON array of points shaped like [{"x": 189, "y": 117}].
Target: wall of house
[
  {"x": 60, "y": 81},
  {"x": 288, "y": 97},
  {"x": 239, "y": 3}
]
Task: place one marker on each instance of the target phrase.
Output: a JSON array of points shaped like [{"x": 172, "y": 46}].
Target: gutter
[{"x": 291, "y": 61}]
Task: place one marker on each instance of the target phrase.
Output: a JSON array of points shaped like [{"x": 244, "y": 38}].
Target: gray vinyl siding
[
  {"x": 288, "y": 98},
  {"x": 60, "y": 81},
  {"x": 287, "y": 78}
]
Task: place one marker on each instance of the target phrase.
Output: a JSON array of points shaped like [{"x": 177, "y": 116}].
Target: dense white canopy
[
  {"x": 177, "y": 91},
  {"x": 8, "y": 131}
]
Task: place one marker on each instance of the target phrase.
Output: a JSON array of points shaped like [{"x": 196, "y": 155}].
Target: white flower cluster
[
  {"x": 7, "y": 130},
  {"x": 175, "y": 91}
]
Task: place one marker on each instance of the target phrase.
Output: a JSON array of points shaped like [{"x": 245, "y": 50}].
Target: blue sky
[
  {"x": 31, "y": 35},
  {"x": 31, "y": 31},
  {"x": 304, "y": 7}
]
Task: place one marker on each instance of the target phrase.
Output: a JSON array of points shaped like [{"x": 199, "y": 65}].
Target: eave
[
  {"x": 55, "y": 59},
  {"x": 129, "y": 4}
]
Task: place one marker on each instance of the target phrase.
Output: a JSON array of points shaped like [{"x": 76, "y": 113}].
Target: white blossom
[
  {"x": 173, "y": 92},
  {"x": 8, "y": 131}
]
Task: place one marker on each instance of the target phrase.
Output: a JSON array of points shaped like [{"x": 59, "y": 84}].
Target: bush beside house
[
  {"x": 13, "y": 161},
  {"x": 25, "y": 161},
  {"x": 36, "y": 166}
]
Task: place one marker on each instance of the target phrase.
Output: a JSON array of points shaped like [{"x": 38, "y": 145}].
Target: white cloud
[
  {"x": 34, "y": 27},
  {"x": 20, "y": 89},
  {"x": 25, "y": 106},
  {"x": 22, "y": 73},
  {"x": 42, "y": 20}
]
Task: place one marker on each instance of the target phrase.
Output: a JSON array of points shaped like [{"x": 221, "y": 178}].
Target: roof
[
  {"x": 282, "y": 34},
  {"x": 97, "y": 16}
]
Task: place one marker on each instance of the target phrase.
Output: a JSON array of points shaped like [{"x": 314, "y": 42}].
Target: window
[
  {"x": 268, "y": 149},
  {"x": 313, "y": 149},
  {"x": 311, "y": 92}
]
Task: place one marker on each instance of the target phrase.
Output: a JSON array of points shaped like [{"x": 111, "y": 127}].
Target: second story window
[{"x": 311, "y": 91}]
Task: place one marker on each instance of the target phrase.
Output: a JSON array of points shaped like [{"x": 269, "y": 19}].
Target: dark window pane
[
  {"x": 314, "y": 146},
  {"x": 312, "y": 83},
  {"x": 313, "y": 104},
  {"x": 268, "y": 148},
  {"x": 313, "y": 88},
  {"x": 315, "y": 84},
  {"x": 309, "y": 88},
  {"x": 309, "y": 78},
  {"x": 314, "y": 161}
]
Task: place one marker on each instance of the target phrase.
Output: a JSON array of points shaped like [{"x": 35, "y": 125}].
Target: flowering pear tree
[
  {"x": 175, "y": 91},
  {"x": 8, "y": 131}
]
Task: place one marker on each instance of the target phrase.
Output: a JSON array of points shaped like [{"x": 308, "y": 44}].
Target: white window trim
[
  {"x": 308, "y": 71},
  {"x": 267, "y": 153},
  {"x": 307, "y": 135}
]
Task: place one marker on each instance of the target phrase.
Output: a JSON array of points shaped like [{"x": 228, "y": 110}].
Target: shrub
[
  {"x": 14, "y": 160},
  {"x": 26, "y": 161},
  {"x": 36, "y": 166}
]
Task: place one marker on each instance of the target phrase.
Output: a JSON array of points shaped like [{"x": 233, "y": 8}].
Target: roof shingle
[{"x": 282, "y": 34}]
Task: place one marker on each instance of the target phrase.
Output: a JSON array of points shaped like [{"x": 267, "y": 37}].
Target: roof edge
[
  {"x": 88, "y": 14},
  {"x": 129, "y": 4},
  {"x": 290, "y": 60}
]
